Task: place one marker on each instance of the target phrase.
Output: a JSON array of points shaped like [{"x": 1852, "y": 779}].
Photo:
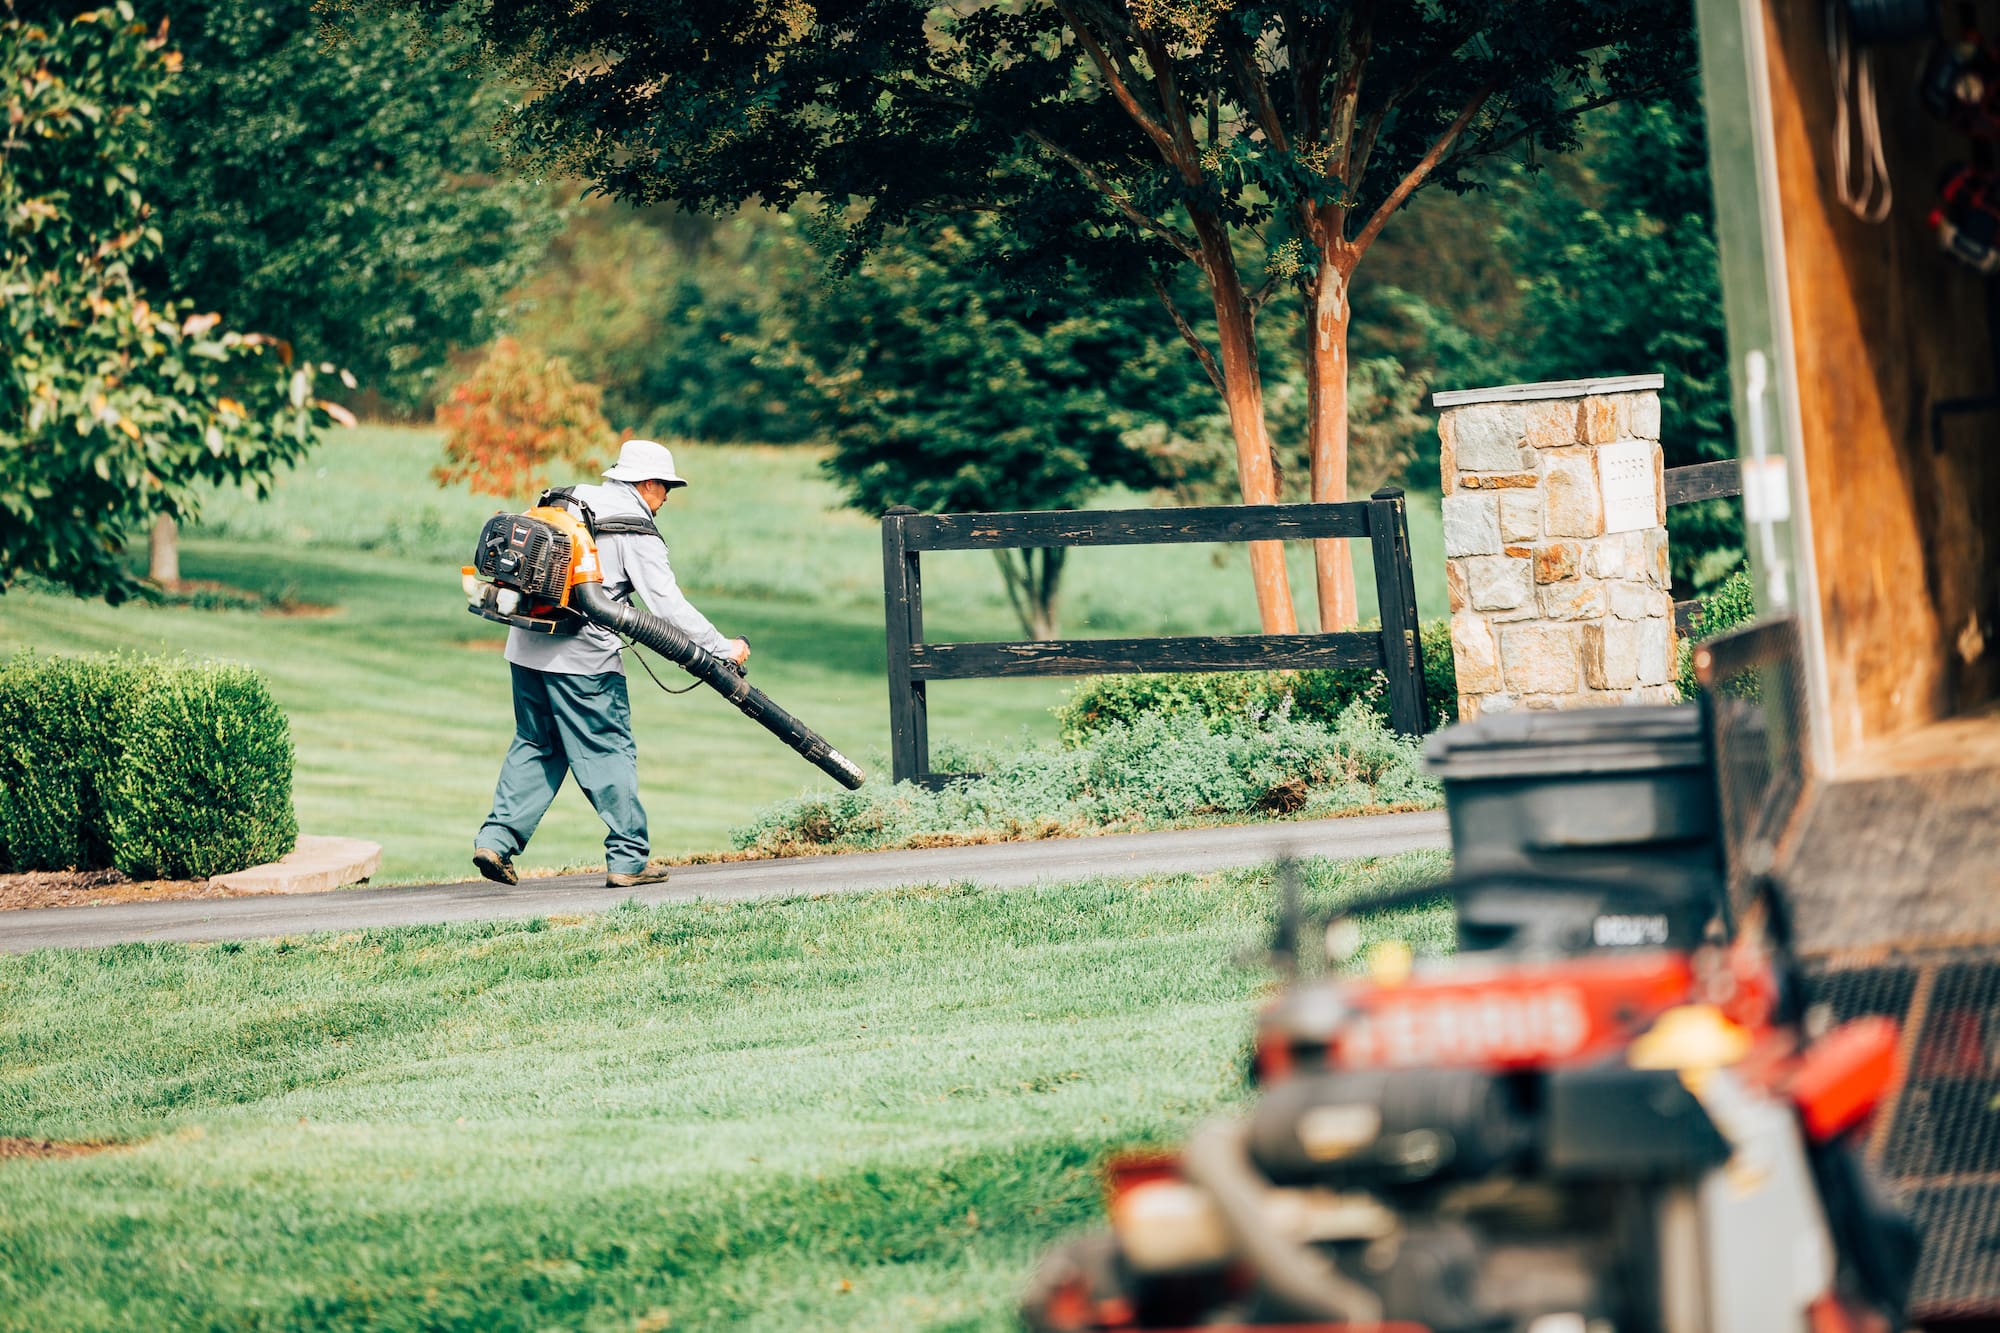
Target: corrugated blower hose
[{"x": 539, "y": 571}]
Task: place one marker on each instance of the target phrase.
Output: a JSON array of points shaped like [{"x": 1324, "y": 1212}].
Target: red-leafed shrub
[{"x": 516, "y": 417}]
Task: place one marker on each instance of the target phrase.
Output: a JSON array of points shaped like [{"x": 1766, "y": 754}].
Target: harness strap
[
  {"x": 627, "y": 525},
  {"x": 617, "y": 525}
]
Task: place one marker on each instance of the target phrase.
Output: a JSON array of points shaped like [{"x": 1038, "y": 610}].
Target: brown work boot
[
  {"x": 654, "y": 873},
  {"x": 494, "y": 866}
]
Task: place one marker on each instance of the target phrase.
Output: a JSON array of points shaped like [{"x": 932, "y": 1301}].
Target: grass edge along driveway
[{"x": 863, "y": 1112}]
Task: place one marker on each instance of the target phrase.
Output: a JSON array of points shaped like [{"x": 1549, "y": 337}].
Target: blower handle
[{"x": 719, "y": 674}]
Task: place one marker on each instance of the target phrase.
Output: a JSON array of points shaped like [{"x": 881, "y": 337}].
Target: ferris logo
[{"x": 1468, "y": 1028}]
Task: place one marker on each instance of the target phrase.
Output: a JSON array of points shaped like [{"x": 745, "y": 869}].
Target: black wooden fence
[
  {"x": 1689, "y": 485},
  {"x": 914, "y": 664}
]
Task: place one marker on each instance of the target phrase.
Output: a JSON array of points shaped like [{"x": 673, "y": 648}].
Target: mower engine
[
  {"x": 1621, "y": 1140},
  {"x": 539, "y": 572}
]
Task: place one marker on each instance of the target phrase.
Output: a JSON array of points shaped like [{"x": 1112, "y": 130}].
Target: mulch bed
[
  {"x": 84, "y": 888},
  {"x": 43, "y": 1149}
]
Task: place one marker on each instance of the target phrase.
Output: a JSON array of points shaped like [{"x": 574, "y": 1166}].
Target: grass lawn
[
  {"x": 863, "y": 1112},
  {"x": 398, "y": 698}
]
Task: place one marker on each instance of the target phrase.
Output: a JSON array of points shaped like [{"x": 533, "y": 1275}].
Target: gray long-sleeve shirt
[{"x": 629, "y": 564}]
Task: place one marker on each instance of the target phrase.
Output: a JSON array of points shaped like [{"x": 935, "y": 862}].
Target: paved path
[{"x": 1001, "y": 865}]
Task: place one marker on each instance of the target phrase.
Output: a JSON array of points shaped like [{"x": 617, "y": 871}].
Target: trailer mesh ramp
[{"x": 1937, "y": 1140}]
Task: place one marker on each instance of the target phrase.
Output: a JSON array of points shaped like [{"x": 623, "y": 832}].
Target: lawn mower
[
  {"x": 538, "y": 571},
  {"x": 1568, "y": 1127}
]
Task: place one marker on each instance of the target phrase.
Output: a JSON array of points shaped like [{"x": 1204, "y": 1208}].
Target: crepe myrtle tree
[
  {"x": 1130, "y": 135},
  {"x": 114, "y": 407}
]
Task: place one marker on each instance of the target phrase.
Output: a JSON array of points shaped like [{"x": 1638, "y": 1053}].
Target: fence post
[
  {"x": 903, "y": 590},
  {"x": 1396, "y": 595}
]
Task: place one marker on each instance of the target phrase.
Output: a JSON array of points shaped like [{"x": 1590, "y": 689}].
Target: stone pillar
[{"x": 1555, "y": 543}]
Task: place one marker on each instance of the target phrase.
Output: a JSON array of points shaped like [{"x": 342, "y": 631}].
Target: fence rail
[{"x": 1382, "y": 520}]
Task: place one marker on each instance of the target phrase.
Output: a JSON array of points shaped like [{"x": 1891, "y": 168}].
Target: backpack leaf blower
[{"x": 539, "y": 572}]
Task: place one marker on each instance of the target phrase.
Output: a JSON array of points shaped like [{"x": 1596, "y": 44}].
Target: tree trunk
[
  {"x": 1033, "y": 591},
  {"x": 1329, "y": 312},
  {"x": 1243, "y": 390},
  {"x": 163, "y": 563}
]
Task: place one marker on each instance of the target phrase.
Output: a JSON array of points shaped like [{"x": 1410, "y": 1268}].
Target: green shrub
[
  {"x": 206, "y": 783},
  {"x": 1165, "y": 766},
  {"x": 61, "y": 720},
  {"x": 1730, "y": 603},
  {"x": 1228, "y": 699}
]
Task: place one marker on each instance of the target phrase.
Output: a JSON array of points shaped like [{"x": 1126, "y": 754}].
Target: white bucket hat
[{"x": 644, "y": 460}]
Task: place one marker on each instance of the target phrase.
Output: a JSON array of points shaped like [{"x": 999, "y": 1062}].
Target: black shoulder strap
[{"x": 627, "y": 525}]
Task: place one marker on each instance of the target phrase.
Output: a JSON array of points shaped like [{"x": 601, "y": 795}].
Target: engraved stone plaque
[{"x": 1625, "y": 474}]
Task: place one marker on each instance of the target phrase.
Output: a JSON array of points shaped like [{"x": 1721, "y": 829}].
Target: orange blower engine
[
  {"x": 539, "y": 571},
  {"x": 1542, "y": 1138}
]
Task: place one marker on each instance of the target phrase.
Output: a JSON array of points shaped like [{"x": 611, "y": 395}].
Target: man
[{"x": 571, "y": 711}]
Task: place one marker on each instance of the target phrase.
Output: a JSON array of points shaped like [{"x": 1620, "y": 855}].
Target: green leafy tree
[
  {"x": 1620, "y": 276},
  {"x": 338, "y": 188},
  {"x": 1129, "y": 138},
  {"x": 114, "y": 404},
  {"x": 671, "y": 313},
  {"x": 951, "y": 389}
]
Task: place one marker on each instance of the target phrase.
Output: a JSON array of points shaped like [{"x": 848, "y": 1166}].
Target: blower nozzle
[{"x": 601, "y": 608}]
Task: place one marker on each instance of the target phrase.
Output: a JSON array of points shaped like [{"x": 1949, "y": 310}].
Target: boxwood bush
[
  {"x": 158, "y": 767},
  {"x": 61, "y": 740},
  {"x": 1230, "y": 698}
]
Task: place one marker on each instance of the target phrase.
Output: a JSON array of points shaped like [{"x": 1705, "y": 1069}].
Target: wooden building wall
[{"x": 1884, "y": 323}]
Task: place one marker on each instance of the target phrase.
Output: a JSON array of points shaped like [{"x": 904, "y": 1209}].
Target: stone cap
[{"x": 1520, "y": 393}]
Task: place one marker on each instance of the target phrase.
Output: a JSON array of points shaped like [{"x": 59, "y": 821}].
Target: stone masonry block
[
  {"x": 1471, "y": 525},
  {"x": 1658, "y": 566},
  {"x": 1656, "y": 652},
  {"x": 1497, "y": 582},
  {"x": 1611, "y": 655},
  {"x": 1574, "y": 506},
  {"x": 1554, "y": 424},
  {"x": 1447, "y": 452},
  {"x": 1571, "y": 601},
  {"x": 1540, "y": 659},
  {"x": 1475, "y": 655},
  {"x": 1520, "y": 517},
  {"x": 1454, "y": 585},
  {"x": 1637, "y": 601},
  {"x": 1660, "y": 485},
  {"x": 1497, "y": 481},
  {"x": 1604, "y": 418},
  {"x": 1487, "y": 437},
  {"x": 1645, "y": 416},
  {"x": 1618, "y": 556},
  {"x": 1556, "y": 561}
]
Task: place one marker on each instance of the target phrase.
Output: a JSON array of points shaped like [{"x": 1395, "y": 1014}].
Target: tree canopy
[
  {"x": 337, "y": 188},
  {"x": 114, "y": 403},
  {"x": 951, "y": 391},
  {"x": 1125, "y": 138}
]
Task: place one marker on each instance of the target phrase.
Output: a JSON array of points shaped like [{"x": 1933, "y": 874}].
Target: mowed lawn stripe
[{"x": 715, "y": 1115}]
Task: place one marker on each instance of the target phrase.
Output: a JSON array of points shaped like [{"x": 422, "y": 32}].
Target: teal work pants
[{"x": 570, "y": 724}]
